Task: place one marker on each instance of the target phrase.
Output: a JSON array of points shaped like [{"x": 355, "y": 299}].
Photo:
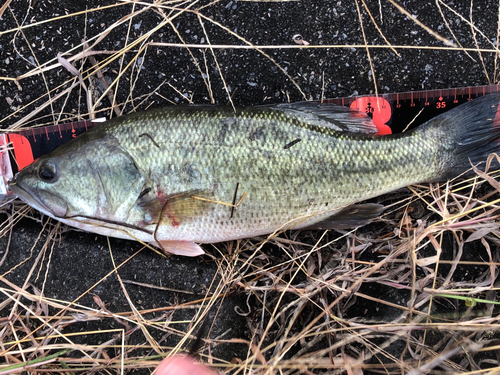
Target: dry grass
[{"x": 312, "y": 306}]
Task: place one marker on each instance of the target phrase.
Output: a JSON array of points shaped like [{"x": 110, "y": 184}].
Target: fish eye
[{"x": 47, "y": 172}]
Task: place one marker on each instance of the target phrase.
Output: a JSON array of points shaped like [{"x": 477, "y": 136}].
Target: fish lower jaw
[{"x": 105, "y": 230}]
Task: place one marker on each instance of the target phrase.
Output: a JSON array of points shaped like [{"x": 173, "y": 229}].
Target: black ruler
[{"x": 398, "y": 110}]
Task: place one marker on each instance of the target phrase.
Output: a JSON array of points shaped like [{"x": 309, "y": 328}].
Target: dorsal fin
[{"x": 333, "y": 116}]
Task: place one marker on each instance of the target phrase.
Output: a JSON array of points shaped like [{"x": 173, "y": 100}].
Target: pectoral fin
[
  {"x": 351, "y": 217},
  {"x": 184, "y": 248},
  {"x": 174, "y": 209}
]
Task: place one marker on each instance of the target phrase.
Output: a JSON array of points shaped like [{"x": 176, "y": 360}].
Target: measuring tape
[{"x": 391, "y": 113}]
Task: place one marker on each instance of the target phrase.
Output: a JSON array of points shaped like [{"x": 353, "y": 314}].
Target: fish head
[
  {"x": 60, "y": 187},
  {"x": 97, "y": 182}
]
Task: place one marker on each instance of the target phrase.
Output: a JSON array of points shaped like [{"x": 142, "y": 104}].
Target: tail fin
[{"x": 466, "y": 134}]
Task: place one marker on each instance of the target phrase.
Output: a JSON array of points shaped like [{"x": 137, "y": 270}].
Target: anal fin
[{"x": 350, "y": 217}]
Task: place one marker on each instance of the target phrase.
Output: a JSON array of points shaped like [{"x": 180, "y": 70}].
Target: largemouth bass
[{"x": 177, "y": 177}]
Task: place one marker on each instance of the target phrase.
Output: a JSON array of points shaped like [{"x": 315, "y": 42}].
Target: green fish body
[{"x": 175, "y": 177}]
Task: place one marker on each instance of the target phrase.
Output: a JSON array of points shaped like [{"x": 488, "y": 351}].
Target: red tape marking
[
  {"x": 22, "y": 150},
  {"x": 379, "y": 108}
]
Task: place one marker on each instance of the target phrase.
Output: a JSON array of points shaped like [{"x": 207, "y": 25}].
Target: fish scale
[{"x": 171, "y": 177}]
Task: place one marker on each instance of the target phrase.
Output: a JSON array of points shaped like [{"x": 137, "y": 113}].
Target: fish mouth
[{"x": 38, "y": 201}]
